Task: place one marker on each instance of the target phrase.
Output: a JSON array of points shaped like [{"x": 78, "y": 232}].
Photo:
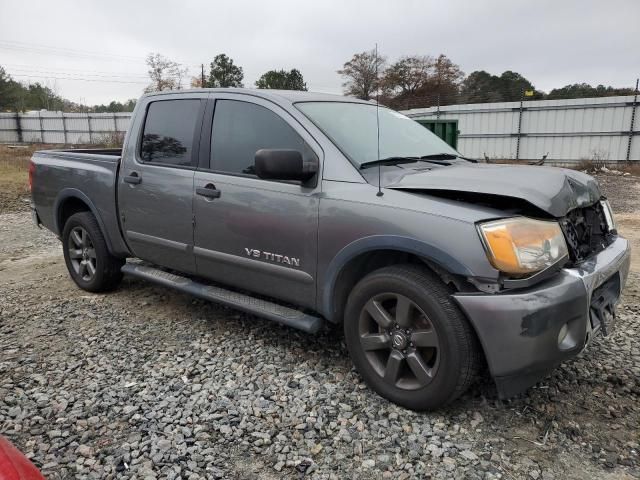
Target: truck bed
[
  {"x": 89, "y": 174},
  {"x": 101, "y": 154}
]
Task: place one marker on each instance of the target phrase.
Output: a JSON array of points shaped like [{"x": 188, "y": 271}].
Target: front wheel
[
  {"x": 407, "y": 338},
  {"x": 88, "y": 260}
]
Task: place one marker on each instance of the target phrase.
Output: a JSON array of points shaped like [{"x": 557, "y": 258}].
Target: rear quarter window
[{"x": 169, "y": 130}]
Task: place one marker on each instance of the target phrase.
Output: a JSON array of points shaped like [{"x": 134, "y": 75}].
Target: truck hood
[{"x": 553, "y": 190}]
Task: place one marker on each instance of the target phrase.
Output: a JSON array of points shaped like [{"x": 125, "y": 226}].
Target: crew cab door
[
  {"x": 155, "y": 190},
  {"x": 258, "y": 235}
]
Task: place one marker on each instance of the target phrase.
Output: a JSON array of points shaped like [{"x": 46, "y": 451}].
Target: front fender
[{"x": 383, "y": 242}]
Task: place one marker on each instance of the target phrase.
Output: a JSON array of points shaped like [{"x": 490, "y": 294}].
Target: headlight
[
  {"x": 608, "y": 214},
  {"x": 523, "y": 245}
]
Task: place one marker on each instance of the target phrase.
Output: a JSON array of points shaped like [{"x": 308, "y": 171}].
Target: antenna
[{"x": 379, "y": 194}]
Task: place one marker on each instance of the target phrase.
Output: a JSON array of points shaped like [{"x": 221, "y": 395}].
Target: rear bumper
[{"x": 521, "y": 331}]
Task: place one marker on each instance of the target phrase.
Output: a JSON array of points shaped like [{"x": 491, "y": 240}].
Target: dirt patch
[{"x": 623, "y": 191}]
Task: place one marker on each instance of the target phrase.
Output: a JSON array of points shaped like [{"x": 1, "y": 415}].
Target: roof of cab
[{"x": 291, "y": 96}]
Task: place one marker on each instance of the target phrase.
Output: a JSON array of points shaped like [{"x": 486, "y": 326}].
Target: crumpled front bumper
[{"x": 520, "y": 331}]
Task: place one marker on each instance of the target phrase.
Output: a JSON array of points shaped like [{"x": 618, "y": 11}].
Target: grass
[{"x": 14, "y": 172}]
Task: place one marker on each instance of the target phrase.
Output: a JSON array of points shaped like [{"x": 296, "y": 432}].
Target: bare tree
[
  {"x": 179, "y": 75},
  {"x": 406, "y": 76},
  {"x": 446, "y": 73},
  {"x": 361, "y": 74},
  {"x": 165, "y": 74}
]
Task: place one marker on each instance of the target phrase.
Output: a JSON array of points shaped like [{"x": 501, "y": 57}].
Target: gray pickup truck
[{"x": 307, "y": 208}]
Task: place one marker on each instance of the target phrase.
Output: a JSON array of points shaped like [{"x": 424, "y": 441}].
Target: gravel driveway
[{"x": 148, "y": 383}]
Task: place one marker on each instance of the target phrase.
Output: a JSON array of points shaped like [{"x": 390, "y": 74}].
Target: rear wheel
[
  {"x": 88, "y": 260},
  {"x": 407, "y": 338}
]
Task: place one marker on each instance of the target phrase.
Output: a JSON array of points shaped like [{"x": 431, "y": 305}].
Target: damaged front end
[
  {"x": 530, "y": 322},
  {"x": 573, "y": 199},
  {"x": 554, "y": 191},
  {"x": 587, "y": 231}
]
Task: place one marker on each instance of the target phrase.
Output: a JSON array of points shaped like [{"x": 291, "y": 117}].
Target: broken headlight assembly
[
  {"x": 520, "y": 246},
  {"x": 608, "y": 215}
]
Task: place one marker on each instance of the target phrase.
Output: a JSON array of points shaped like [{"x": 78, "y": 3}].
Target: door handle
[
  {"x": 133, "y": 178},
  {"x": 209, "y": 191}
]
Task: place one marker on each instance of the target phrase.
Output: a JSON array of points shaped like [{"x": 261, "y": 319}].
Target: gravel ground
[{"x": 148, "y": 383}]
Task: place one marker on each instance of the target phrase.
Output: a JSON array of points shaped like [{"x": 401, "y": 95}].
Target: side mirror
[{"x": 283, "y": 165}]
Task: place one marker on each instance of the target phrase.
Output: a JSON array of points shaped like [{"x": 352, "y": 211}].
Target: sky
[{"x": 94, "y": 51}]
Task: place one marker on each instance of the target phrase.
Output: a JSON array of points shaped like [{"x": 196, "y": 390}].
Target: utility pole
[
  {"x": 633, "y": 118},
  {"x": 519, "y": 125},
  {"x": 18, "y": 127},
  {"x": 202, "y": 77}
]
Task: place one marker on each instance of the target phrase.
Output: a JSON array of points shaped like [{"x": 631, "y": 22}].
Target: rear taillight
[{"x": 32, "y": 169}]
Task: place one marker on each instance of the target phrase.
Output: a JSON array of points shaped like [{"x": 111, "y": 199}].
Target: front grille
[{"x": 586, "y": 232}]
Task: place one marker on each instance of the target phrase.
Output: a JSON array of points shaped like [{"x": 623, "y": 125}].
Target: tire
[
  {"x": 88, "y": 260},
  {"x": 431, "y": 359}
]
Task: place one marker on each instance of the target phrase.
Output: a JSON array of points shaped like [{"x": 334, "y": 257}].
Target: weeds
[{"x": 111, "y": 140}]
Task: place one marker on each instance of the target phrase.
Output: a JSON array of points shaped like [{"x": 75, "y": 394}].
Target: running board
[{"x": 257, "y": 306}]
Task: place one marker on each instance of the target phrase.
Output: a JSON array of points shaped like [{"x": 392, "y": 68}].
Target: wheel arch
[
  {"x": 71, "y": 201},
  {"x": 370, "y": 253}
]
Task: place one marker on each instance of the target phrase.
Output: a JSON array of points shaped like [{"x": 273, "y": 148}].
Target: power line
[
  {"x": 73, "y": 53},
  {"x": 26, "y": 71},
  {"x": 24, "y": 66},
  {"x": 36, "y": 48},
  {"x": 48, "y": 77}
]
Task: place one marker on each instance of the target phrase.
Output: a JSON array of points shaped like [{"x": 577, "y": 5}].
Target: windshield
[{"x": 352, "y": 128}]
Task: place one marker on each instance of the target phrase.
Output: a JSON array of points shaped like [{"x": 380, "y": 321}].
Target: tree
[
  {"x": 361, "y": 74},
  {"x": 446, "y": 77},
  {"x": 442, "y": 86},
  {"x": 481, "y": 87},
  {"x": 9, "y": 93},
  {"x": 42, "y": 97},
  {"x": 421, "y": 81},
  {"x": 584, "y": 90},
  {"x": 18, "y": 97},
  {"x": 165, "y": 74},
  {"x": 407, "y": 75},
  {"x": 223, "y": 73},
  {"x": 114, "y": 107},
  {"x": 513, "y": 85},
  {"x": 282, "y": 80}
]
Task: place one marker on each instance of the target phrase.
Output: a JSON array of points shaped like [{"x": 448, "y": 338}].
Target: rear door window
[
  {"x": 169, "y": 130},
  {"x": 240, "y": 129}
]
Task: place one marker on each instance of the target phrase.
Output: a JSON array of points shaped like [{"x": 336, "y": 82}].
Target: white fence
[
  {"x": 567, "y": 130},
  {"x": 57, "y": 127}
]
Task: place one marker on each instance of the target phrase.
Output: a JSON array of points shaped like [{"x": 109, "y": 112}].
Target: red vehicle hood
[{"x": 14, "y": 465}]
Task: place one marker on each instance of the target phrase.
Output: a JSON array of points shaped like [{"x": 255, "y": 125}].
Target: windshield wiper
[
  {"x": 446, "y": 156},
  {"x": 389, "y": 161},
  {"x": 439, "y": 156}
]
